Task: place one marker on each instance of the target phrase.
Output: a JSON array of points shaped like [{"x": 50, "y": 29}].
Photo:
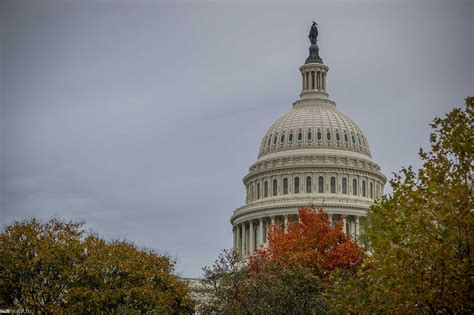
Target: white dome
[{"x": 314, "y": 126}]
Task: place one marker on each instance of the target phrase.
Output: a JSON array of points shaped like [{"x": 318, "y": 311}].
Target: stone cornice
[
  {"x": 323, "y": 151},
  {"x": 332, "y": 204},
  {"x": 323, "y": 163}
]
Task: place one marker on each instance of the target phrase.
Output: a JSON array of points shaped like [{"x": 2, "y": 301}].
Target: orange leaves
[{"x": 312, "y": 242}]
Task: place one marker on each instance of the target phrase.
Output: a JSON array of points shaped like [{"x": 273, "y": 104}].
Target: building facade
[{"x": 312, "y": 155}]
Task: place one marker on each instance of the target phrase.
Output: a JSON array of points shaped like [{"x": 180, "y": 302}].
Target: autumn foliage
[
  {"x": 312, "y": 242},
  {"x": 55, "y": 267},
  {"x": 291, "y": 276},
  {"x": 420, "y": 238}
]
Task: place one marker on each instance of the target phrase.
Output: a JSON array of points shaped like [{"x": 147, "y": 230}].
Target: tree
[
  {"x": 231, "y": 288},
  {"x": 37, "y": 264},
  {"x": 55, "y": 267},
  {"x": 291, "y": 276},
  {"x": 313, "y": 243},
  {"x": 420, "y": 238},
  {"x": 226, "y": 286}
]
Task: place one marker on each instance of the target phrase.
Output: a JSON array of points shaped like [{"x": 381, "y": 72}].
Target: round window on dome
[
  {"x": 309, "y": 136},
  {"x": 300, "y": 136}
]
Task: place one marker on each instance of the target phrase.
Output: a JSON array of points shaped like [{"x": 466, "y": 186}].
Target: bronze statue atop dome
[
  {"x": 313, "y": 33},
  {"x": 313, "y": 49}
]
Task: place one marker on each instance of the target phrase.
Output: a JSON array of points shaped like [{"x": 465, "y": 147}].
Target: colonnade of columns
[
  {"x": 252, "y": 234},
  {"x": 313, "y": 80}
]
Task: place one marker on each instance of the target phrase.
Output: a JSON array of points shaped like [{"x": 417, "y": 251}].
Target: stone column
[
  {"x": 238, "y": 246},
  {"x": 357, "y": 227},
  {"x": 286, "y": 223},
  {"x": 344, "y": 224},
  {"x": 234, "y": 237},
  {"x": 260, "y": 232},
  {"x": 244, "y": 241},
  {"x": 251, "y": 238},
  {"x": 267, "y": 225},
  {"x": 330, "y": 217}
]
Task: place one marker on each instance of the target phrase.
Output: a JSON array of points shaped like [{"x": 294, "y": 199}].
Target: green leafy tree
[
  {"x": 420, "y": 238},
  {"x": 53, "y": 267}
]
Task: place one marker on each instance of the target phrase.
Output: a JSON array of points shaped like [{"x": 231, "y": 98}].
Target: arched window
[
  {"x": 333, "y": 185},
  {"x": 354, "y": 187},
  {"x": 328, "y": 135},
  {"x": 282, "y": 138},
  {"x": 353, "y": 140},
  {"x": 309, "y": 136},
  {"x": 265, "y": 189},
  {"x": 338, "y": 137},
  {"x": 321, "y": 184},
  {"x": 300, "y": 136},
  {"x": 258, "y": 190},
  {"x": 363, "y": 188},
  {"x": 371, "y": 190},
  {"x": 285, "y": 186},
  {"x": 319, "y": 135},
  {"x": 275, "y": 188},
  {"x": 290, "y": 137},
  {"x": 275, "y": 140},
  {"x": 308, "y": 184},
  {"x": 345, "y": 137},
  {"x": 269, "y": 140},
  {"x": 344, "y": 185},
  {"x": 297, "y": 185}
]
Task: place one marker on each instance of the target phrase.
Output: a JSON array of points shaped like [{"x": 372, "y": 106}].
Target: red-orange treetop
[{"x": 312, "y": 242}]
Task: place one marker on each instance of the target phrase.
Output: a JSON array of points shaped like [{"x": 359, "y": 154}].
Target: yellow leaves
[
  {"x": 421, "y": 237},
  {"x": 53, "y": 267}
]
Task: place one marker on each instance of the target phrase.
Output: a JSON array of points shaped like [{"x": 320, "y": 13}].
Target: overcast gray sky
[{"x": 142, "y": 117}]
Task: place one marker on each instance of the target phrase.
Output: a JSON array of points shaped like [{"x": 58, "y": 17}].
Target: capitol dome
[
  {"x": 314, "y": 127},
  {"x": 312, "y": 155}
]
